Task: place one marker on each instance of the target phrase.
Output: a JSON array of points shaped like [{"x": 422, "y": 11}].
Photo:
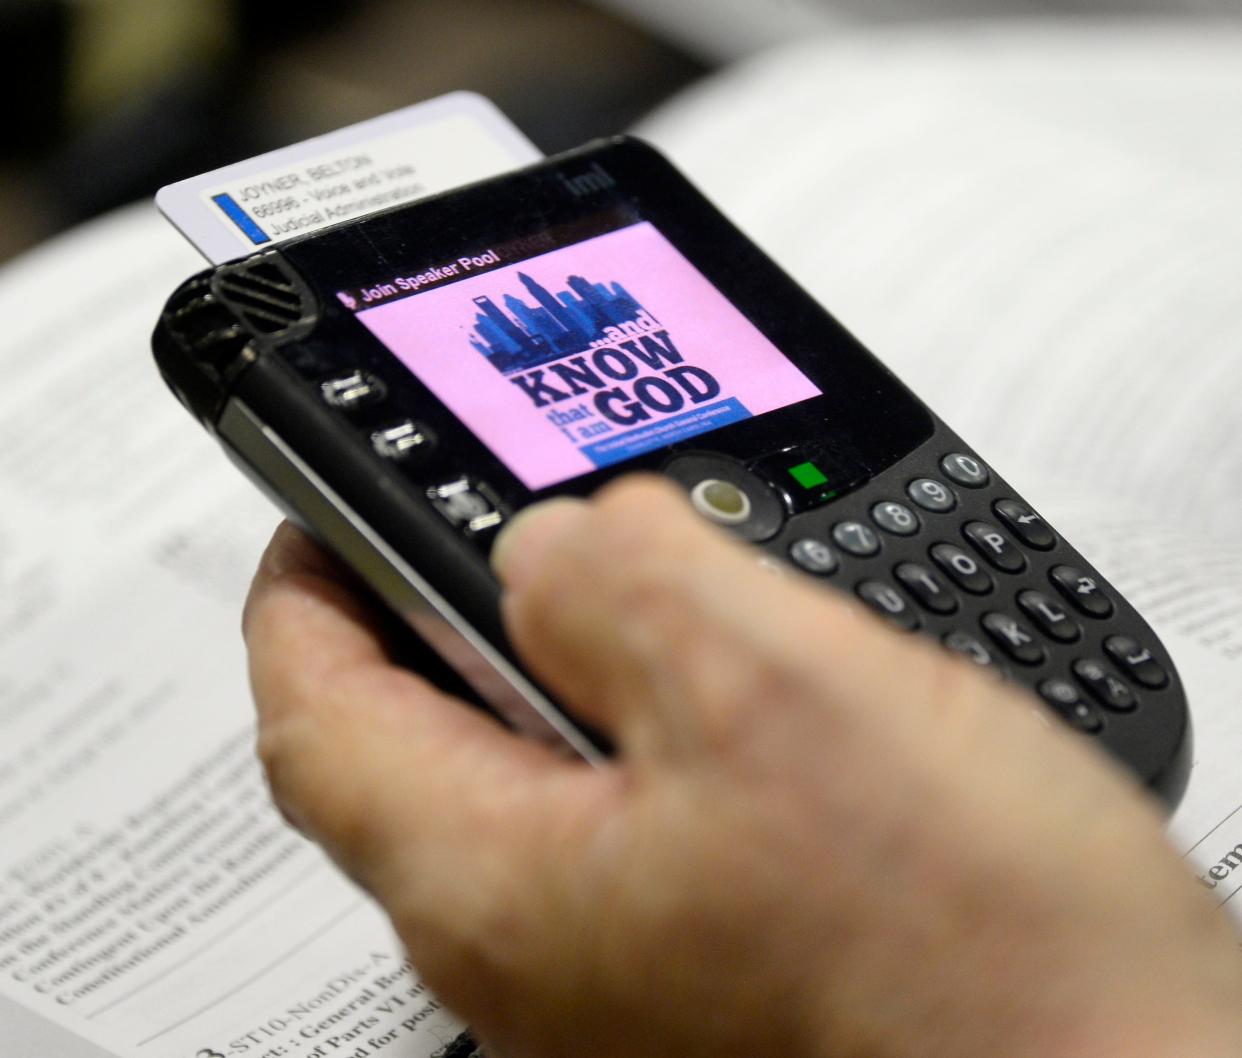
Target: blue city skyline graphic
[{"x": 557, "y": 325}]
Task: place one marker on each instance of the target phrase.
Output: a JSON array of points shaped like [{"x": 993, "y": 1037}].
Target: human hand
[{"x": 818, "y": 837}]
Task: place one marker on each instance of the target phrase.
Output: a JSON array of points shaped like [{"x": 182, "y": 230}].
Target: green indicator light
[{"x": 808, "y": 475}]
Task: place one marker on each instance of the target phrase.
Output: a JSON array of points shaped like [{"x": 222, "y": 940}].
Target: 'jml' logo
[{"x": 595, "y": 179}]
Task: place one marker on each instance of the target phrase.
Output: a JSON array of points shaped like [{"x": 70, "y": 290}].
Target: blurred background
[{"x": 109, "y": 99}]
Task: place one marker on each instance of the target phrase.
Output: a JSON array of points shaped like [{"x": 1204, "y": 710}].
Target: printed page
[
  {"x": 151, "y": 900},
  {"x": 1036, "y": 227},
  {"x": 1044, "y": 247},
  {"x": 1190, "y": 589}
]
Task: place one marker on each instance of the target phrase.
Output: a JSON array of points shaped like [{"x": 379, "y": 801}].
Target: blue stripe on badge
[
  {"x": 666, "y": 432},
  {"x": 241, "y": 218}
]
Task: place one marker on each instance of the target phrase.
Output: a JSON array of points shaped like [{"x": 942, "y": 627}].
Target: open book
[{"x": 1046, "y": 250}]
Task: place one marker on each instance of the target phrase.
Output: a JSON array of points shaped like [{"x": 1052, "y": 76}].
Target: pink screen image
[{"x": 588, "y": 355}]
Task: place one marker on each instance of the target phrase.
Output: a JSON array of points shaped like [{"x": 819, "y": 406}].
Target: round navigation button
[
  {"x": 721, "y": 502},
  {"x": 724, "y": 492}
]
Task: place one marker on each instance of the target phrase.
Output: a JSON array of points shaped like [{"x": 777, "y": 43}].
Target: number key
[
  {"x": 965, "y": 470},
  {"x": 971, "y": 649},
  {"x": 856, "y": 538},
  {"x": 813, "y": 557},
  {"x": 932, "y": 495},
  {"x": 895, "y": 518}
]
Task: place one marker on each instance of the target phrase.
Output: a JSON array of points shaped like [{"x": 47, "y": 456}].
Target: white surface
[
  {"x": 726, "y": 30},
  {"x": 126, "y": 543}
]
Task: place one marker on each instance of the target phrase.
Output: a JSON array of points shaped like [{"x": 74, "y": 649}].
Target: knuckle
[
  {"x": 342, "y": 823},
  {"x": 272, "y": 749}
]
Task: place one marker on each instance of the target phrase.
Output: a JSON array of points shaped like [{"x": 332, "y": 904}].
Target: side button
[
  {"x": 400, "y": 441},
  {"x": 468, "y": 505},
  {"x": 352, "y": 391}
]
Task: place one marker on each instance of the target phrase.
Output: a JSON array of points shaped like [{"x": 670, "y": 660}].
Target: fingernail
[{"x": 522, "y": 543}]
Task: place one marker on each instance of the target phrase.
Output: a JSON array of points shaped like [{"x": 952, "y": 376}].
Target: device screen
[{"x": 582, "y": 356}]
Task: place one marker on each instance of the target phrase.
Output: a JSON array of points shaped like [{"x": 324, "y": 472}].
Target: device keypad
[{"x": 985, "y": 574}]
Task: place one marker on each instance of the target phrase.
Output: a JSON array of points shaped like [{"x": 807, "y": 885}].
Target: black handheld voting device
[{"x": 404, "y": 383}]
